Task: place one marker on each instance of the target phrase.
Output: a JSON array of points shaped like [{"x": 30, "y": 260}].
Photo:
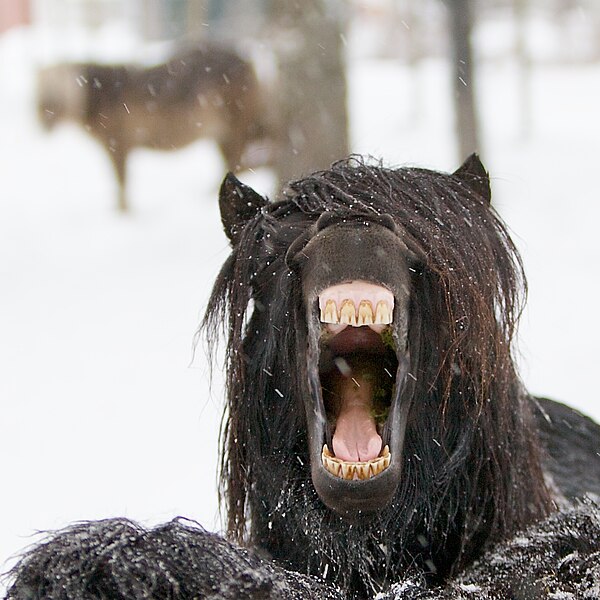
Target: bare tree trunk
[
  {"x": 415, "y": 54},
  {"x": 463, "y": 77},
  {"x": 523, "y": 68},
  {"x": 311, "y": 87}
]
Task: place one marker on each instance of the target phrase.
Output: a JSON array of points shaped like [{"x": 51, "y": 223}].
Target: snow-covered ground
[{"x": 106, "y": 411}]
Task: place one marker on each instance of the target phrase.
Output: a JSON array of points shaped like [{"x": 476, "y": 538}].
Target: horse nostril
[
  {"x": 327, "y": 219},
  {"x": 331, "y": 218},
  {"x": 387, "y": 221}
]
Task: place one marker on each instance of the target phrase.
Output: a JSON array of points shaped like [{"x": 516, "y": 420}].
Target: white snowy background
[{"x": 106, "y": 410}]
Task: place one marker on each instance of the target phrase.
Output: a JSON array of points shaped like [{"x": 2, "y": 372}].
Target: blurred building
[{"x": 13, "y": 13}]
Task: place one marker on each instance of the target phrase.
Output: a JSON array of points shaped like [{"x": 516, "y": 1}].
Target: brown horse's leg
[
  {"x": 232, "y": 148},
  {"x": 118, "y": 157}
]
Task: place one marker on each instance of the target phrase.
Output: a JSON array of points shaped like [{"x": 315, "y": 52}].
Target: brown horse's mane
[{"x": 472, "y": 472}]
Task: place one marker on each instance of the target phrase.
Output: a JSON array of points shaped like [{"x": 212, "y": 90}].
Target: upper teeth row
[
  {"x": 350, "y": 315},
  {"x": 355, "y": 470},
  {"x": 356, "y": 303}
]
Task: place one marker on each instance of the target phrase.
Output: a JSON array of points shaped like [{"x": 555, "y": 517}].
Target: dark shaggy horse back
[{"x": 476, "y": 468}]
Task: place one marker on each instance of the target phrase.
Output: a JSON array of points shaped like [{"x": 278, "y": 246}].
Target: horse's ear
[
  {"x": 473, "y": 174},
  {"x": 238, "y": 204}
]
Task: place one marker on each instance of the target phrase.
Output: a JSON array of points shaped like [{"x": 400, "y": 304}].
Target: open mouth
[
  {"x": 358, "y": 366},
  {"x": 356, "y": 284}
]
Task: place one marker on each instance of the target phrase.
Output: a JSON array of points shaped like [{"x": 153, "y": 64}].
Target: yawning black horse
[
  {"x": 376, "y": 426},
  {"x": 356, "y": 448}
]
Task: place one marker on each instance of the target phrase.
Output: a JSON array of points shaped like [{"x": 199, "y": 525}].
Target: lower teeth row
[{"x": 355, "y": 470}]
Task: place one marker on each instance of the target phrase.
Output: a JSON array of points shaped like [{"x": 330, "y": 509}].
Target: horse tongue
[{"x": 355, "y": 437}]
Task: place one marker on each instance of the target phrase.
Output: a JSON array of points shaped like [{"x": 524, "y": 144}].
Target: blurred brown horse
[{"x": 204, "y": 92}]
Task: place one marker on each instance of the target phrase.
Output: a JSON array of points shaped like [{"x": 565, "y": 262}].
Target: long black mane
[{"x": 471, "y": 472}]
